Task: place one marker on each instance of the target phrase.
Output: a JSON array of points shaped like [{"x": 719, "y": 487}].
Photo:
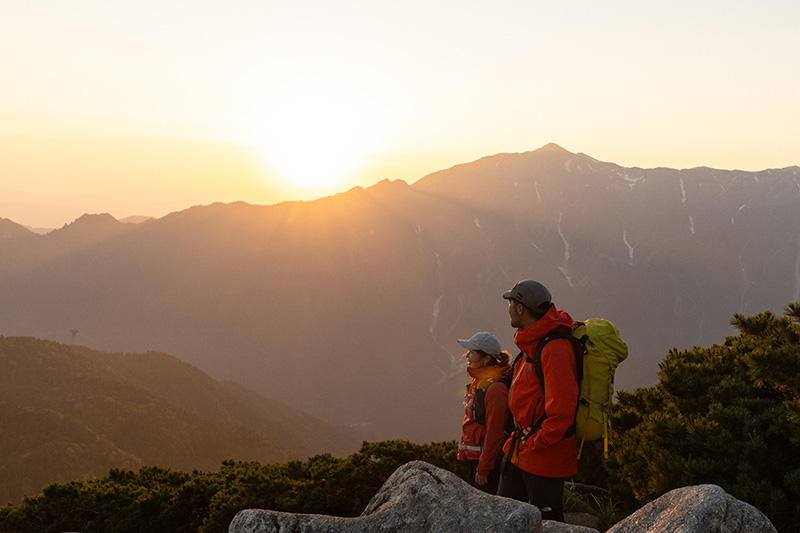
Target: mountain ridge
[
  {"x": 349, "y": 306},
  {"x": 69, "y": 412}
]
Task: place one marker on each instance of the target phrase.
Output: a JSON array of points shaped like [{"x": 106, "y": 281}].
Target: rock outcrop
[
  {"x": 416, "y": 497},
  {"x": 550, "y": 526},
  {"x": 697, "y": 509},
  {"x": 421, "y": 497}
]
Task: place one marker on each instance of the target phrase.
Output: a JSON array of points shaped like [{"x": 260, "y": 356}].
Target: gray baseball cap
[
  {"x": 531, "y": 294},
  {"x": 483, "y": 341}
]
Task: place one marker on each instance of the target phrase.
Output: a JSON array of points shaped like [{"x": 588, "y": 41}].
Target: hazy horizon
[{"x": 148, "y": 108}]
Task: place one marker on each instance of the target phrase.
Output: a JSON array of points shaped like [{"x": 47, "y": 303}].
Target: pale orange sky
[{"x": 147, "y": 107}]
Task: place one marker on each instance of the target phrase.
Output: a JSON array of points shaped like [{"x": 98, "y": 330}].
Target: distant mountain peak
[
  {"x": 91, "y": 226},
  {"x": 93, "y": 220},
  {"x": 11, "y": 230},
  {"x": 553, "y": 148},
  {"x": 387, "y": 184}
]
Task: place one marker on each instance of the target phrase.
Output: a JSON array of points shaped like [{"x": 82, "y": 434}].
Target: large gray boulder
[
  {"x": 417, "y": 497},
  {"x": 697, "y": 509},
  {"x": 551, "y": 526},
  {"x": 577, "y": 522}
]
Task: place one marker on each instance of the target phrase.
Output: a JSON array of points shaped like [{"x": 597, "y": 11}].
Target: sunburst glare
[{"x": 315, "y": 143}]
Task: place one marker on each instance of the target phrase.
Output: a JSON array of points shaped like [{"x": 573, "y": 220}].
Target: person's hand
[{"x": 481, "y": 480}]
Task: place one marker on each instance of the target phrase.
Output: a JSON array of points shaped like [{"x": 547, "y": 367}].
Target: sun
[{"x": 317, "y": 144}]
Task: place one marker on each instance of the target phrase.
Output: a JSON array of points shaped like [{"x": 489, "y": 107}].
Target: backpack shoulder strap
[
  {"x": 578, "y": 349},
  {"x": 479, "y": 398},
  {"x": 536, "y": 360},
  {"x": 519, "y": 356}
]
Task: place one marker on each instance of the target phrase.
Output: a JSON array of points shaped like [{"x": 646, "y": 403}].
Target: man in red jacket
[{"x": 542, "y": 450}]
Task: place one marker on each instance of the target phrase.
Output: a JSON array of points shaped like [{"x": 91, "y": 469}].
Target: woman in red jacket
[{"x": 486, "y": 410}]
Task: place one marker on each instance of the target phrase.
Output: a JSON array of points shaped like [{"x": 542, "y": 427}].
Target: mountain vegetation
[
  {"x": 349, "y": 307},
  {"x": 157, "y": 499},
  {"x": 727, "y": 415},
  {"x": 69, "y": 412}
]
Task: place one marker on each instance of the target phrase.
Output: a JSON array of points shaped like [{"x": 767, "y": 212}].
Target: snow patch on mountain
[
  {"x": 683, "y": 193},
  {"x": 418, "y": 231},
  {"x": 563, "y": 238},
  {"x": 737, "y": 212},
  {"x": 632, "y": 181},
  {"x": 437, "y": 304},
  {"x": 564, "y": 268},
  {"x": 747, "y": 282},
  {"x": 504, "y": 271},
  {"x": 456, "y": 364},
  {"x": 630, "y": 248}
]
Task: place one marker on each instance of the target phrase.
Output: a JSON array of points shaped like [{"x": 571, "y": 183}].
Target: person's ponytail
[{"x": 501, "y": 359}]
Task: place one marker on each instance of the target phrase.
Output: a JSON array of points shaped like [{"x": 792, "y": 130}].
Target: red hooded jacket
[
  {"x": 483, "y": 442},
  {"x": 546, "y": 452}
]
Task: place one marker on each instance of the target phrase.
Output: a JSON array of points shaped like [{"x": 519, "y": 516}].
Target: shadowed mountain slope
[{"x": 69, "y": 412}]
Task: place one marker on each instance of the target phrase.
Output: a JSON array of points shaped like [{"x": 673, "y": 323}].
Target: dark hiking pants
[
  {"x": 494, "y": 476},
  {"x": 546, "y": 493}
]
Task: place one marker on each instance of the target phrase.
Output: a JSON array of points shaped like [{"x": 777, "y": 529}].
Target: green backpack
[{"x": 599, "y": 349}]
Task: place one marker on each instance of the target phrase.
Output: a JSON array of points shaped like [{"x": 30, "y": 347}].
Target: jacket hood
[{"x": 553, "y": 319}]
